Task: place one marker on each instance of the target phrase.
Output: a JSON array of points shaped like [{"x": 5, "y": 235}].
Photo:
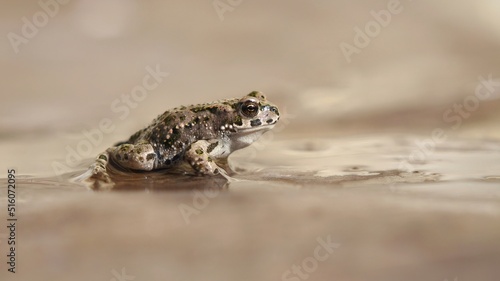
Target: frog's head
[{"x": 255, "y": 116}]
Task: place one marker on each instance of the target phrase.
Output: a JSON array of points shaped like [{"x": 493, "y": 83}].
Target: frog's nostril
[
  {"x": 269, "y": 121},
  {"x": 274, "y": 109}
]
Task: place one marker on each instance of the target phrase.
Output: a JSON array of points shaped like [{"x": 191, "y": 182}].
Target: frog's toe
[
  {"x": 205, "y": 166},
  {"x": 100, "y": 174}
]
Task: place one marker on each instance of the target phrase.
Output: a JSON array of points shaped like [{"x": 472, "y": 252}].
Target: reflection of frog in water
[{"x": 201, "y": 135}]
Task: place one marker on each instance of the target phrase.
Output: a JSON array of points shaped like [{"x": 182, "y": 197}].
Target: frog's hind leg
[{"x": 138, "y": 157}]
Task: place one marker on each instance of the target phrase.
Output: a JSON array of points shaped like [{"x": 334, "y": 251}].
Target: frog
[{"x": 200, "y": 136}]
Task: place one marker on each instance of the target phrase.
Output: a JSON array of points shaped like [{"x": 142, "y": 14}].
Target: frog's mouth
[
  {"x": 268, "y": 121},
  {"x": 263, "y": 127},
  {"x": 256, "y": 125}
]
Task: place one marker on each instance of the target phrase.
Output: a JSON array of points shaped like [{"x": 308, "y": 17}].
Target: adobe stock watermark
[
  {"x": 121, "y": 107},
  {"x": 201, "y": 200},
  {"x": 121, "y": 276},
  {"x": 31, "y": 26},
  {"x": 455, "y": 115},
  {"x": 223, "y": 6},
  {"x": 371, "y": 29},
  {"x": 310, "y": 264}
]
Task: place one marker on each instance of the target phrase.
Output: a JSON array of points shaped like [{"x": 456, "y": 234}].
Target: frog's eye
[{"x": 249, "y": 108}]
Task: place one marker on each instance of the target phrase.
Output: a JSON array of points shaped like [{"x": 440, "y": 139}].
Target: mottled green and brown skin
[{"x": 201, "y": 135}]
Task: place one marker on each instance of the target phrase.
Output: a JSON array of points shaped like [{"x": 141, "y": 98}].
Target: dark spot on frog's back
[
  {"x": 231, "y": 104},
  {"x": 255, "y": 122},
  {"x": 197, "y": 109},
  {"x": 167, "y": 118},
  {"x": 213, "y": 109}
]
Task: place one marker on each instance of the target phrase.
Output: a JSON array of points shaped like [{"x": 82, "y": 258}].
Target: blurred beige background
[{"x": 91, "y": 52}]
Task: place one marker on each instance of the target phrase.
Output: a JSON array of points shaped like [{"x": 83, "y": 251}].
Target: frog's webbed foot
[
  {"x": 99, "y": 170},
  {"x": 98, "y": 175},
  {"x": 198, "y": 157}
]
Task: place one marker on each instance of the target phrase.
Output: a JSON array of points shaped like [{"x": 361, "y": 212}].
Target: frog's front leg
[{"x": 198, "y": 156}]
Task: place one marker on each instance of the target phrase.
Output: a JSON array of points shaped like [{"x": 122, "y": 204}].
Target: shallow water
[
  {"x": 354, "y": 160},
  {"x": 433, "y": 221},
  {"x": 360, "y": 161}
]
